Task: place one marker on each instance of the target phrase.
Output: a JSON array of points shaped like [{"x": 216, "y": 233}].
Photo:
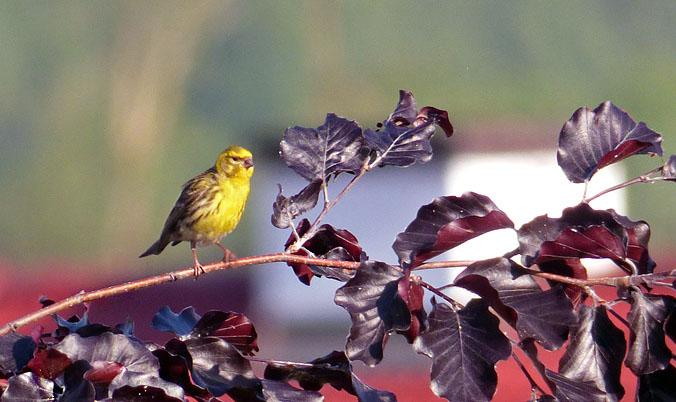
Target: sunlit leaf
[
  {"x": 285, "y": 210},
  {"x": 593, "y": 139},
  {"x": 220, "y": 368},
  {"x": 446, "y": 223},
  {"x": 28, "y": 387},
  {"x": 545, "y": 316},
  {"x": 275, "y": 391},
  {"x": 325, "y": 151},
  {"x": 669, "y": 169},
  {"x": 464, "y": 347},
  {"x": 404, "y": 138},
  {"x": 16, "y": 350},
  {"x": 376, "y": 309}
]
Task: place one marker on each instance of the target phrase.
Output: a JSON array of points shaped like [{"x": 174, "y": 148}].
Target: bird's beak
[{"x": 248, "y": 162}]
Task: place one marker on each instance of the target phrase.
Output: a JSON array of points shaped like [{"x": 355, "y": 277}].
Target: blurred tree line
[{"x": 106, "y": 106}]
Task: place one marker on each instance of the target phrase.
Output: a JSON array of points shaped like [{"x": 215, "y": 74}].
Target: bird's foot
[
  {"x": 228, "y": 256},
  {"x": 198, "y": 269}
]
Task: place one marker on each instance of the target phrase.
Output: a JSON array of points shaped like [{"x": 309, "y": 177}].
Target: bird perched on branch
[{"x": 210, "y": 205}]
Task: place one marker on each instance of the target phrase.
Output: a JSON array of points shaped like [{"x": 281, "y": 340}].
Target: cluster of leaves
[
  {"x": 466, "y": 342},
  {"x": 207, "y": 357},
  {"x": 210, "y": 356}
]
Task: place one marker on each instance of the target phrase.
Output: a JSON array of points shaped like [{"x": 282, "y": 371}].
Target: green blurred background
[{"x": 106, "y": 108}]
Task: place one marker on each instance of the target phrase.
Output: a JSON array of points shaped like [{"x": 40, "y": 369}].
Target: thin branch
[
  {"x": 327, "y": 207},
  {"x": 644, "y": 178},
  {"x": 186, "y": 273},
  {"x": 431, "y": 288}
]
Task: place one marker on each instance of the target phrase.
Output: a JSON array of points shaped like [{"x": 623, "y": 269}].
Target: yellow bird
[{"x": 210, "y": 205}]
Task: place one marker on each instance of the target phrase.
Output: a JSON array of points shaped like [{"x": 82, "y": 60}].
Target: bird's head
[{"x": 235, "y": 161}]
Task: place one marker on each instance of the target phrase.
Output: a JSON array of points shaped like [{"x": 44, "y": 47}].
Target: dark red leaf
[
  {"x": 593, "y": 139},
  {"x": 102, "y": 372},
  {"x": 446, "y": 223},
  {"x": 376, "y": 309},
  {"x": 48, "y": 363},
  {"x": 594, "y": 356},
  {"x": 658, "y": 386},
  {"x": 464, "y": 347},
  {"x": 648, "y": 351},
  {"x": 568, "y": 390},
  {"x": 545, "y": 316},
  {"x": 330, "y": 243},
  {"x": 438, "y": 116},
  {"x": 638, "y": 236},
  {"x": 571, "y": 267},
  {"x": 412, "y": 294},
  {"x": 580, "y": 232},
  {"x": 234, "y": 328},
  {"x": 175, "y": 368},
  {"x": 142, "y": 393}
]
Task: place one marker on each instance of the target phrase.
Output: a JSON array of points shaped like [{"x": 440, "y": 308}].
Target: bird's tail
[{"x": 156, "y": 248}]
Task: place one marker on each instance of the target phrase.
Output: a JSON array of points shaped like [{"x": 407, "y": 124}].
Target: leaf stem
[
  {"x": 644, "y": 178},
  {"x": 327, "y": 207},
  {"x": 456, "y": 306},
  {"x": 533, "y": 384}
]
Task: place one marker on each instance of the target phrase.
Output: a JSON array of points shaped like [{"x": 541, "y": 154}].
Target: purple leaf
[
  {"x": 325, "y": 151},
  {"x": 404, "y": 138},
  {"x": 669, "y": 169},
  {"x": 593, "y": 139},
  {"x": 638, "y": 236},
  {"x": 568, "y": 390},
  {"x": 77, "y": 388},
  {"x": 234, "y": 328},
  {"x": 283, "y": 392},
  {"x": 285, "y": 210},
  {"x": 376, "y": 309},
  {"x": 412, "y": 294},
  {"x": 28, "y": 387},
  {"x": 594, "y": 355},
  {"x": 220, "y": 368},
  {"x": 648, "y": 351},
  {"x": 174, "y": 368},
  {"x": 334, "y": 369},
  {"x": 179, "y": 324},
  {"x": 545, "y": 316},
  {"x": 581, "y": 232},
  {"x": 108, "y": 350},
  {"x": 658, "y": 386},
  {"x": 15, "y": 352},
  {"x": 446, "y": 223},
  {"x": 144, "y": 387},
  {"x": 330, "y": 243},
  {"x": 142, "y": 393},
  {"x": 464, "y": 347}
]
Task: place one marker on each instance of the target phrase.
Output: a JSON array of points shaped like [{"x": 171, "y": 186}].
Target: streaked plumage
[{"x": 210, "y": 205}]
